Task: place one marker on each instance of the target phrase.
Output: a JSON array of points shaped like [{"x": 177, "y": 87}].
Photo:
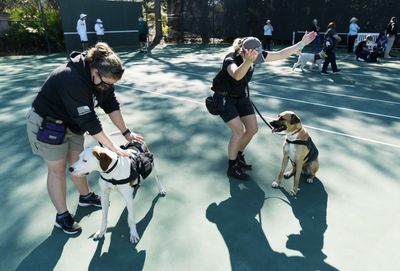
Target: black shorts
[
  {"x": 142, "y": 38},
  {"x": 235, "y": 107}
]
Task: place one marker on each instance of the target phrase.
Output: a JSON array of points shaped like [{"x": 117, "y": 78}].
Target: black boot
[
  {"x": 235, "y": 171},
  {"x": 242, "y": 162}
]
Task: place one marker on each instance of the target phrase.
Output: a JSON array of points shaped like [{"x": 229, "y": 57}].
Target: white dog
[
  {"x": 115, "y": 172},
  {"x": 313, "y": 59}
]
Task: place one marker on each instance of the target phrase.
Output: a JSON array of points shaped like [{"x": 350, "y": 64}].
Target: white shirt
[
  {"x": 99, "y": 28},
  {"x": 353, "y": 29},
  {"x": 81, "y": 29},
  {"x": 268, "y": 28}
]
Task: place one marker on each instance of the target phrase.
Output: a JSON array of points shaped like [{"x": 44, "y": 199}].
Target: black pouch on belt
[{"x": 51, "y": 131}]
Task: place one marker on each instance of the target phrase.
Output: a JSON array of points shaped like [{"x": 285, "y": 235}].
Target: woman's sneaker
[
  {"x": 236, "y": 172},
  {"x": 67, "y": 223},
  {"x": 90, "y": 199},
  {"x": 242, "y": 162}
]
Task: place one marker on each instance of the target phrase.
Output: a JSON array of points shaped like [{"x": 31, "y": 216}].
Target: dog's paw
[
  {"x": 98, "y": 235},
  {"x": 275, "y": 184},
  {"x": 293, "y": 192},
  {"x": 310, "y": 180}
]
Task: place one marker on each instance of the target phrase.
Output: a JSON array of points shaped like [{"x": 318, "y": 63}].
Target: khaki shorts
[{"x": 72, "y": 142}]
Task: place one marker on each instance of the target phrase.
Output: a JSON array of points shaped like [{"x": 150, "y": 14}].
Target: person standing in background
[
  {"x": 391, "y": 33},
  {"x": 143, "y": 32},
  {"x": 268, "y": 29},
  {"x": 99, "y": 29},
  {"x": 317, "y": 42},
  {"x": 81, "y": 29},
  {"x": 331, "y": 38},
  {"x": 352, "y": 35}
]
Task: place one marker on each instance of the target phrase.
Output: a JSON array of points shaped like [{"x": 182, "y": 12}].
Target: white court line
[
  {"x": 327, "y": 93},
  {"x": 257, "y": 82},
  {"x": 329, "y": 106},
  {"x": 310, "y": 127}
]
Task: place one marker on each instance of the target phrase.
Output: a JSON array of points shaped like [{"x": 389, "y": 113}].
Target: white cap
[
  {"x": 99, "y": 21},
  {"x": 82, "y": 16},
  {"x": 353, "y": 19}
]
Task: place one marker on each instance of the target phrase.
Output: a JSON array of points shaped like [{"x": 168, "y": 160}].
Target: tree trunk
[{"x": 157, "y": 13}]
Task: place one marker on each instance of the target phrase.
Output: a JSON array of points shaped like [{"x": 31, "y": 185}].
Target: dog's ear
[
  {"x": 103, "y": 158},
  {"x": 294, "y": 119}
]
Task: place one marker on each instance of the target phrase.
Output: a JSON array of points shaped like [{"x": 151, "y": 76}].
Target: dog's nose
[{"x": 71, "y": 169}]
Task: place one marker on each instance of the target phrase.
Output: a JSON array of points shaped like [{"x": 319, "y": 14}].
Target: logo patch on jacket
[{"x": 82, "y": 110}]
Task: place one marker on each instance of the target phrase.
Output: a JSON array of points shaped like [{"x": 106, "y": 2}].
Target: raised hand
[{"x": 308, "y": 37}]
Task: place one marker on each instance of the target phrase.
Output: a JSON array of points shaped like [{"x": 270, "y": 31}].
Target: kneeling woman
[{"x": 238, "y": 113}]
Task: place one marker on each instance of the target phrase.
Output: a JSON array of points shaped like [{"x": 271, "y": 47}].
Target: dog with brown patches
[
  {"x": 116, "y": 172},
  {"x": 308, "y": 58},
  {"x": 298, "y": 148}
]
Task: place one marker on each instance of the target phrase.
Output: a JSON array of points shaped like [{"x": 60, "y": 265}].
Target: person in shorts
[
  {"x": 143, "y": 32},
  {"x": 67, "y": 101},
  {"x": 238, "y": 112}
]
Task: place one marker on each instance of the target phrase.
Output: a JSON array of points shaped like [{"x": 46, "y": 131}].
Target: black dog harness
[
  {"x": 312, "y": 149},
  {"x": 132, "y": 176},
  {"x": 141, "y": 164}
]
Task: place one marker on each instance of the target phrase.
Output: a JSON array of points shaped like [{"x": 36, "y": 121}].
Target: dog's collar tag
[{"x": 112, "y": 168}]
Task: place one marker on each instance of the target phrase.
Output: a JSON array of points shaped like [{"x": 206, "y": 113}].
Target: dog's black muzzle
[{"x": 277, "y": 126}]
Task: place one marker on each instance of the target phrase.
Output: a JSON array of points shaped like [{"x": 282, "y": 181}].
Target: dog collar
[
  {"x": 295, "y": 132},
  {"x": 113, "y": 166}
]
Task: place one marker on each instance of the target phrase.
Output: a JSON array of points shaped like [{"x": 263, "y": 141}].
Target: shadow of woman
[
  {"x": 122, "y": 254},
  {"x": 46, "y": 255},
  {"x": 309, "y": 207},
  {"x": 245, "y": 239}
]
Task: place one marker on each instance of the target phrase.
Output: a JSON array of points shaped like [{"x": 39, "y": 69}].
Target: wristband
[
  {"x": 300, "y": 45},
  {"x": 126, "y": 132}
]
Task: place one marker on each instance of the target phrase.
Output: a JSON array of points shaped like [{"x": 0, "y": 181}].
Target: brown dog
[{"x": 298, "y": 147}]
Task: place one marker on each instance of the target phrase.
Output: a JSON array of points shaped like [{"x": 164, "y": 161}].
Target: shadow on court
[
  {"x": 122, "y": 254},
  {"x": 48, "y": 253},
  {"x": 249, "y": 249}
]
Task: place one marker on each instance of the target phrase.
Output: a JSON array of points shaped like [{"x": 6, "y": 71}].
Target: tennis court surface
[{"x": 347, "y": 220}]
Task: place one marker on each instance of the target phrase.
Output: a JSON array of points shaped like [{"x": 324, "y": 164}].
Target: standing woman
[
  {"x": 99, "y": 29},
  {"x": 63, "y": 111},
  {"x": 238, "y": 113},
  {"x": 81, "y": 29},
  {"x": 391, "y": 33},
  {"x": 353, "y": 33},
  {"x": 268, "y": 29},
  {"x": 331, "y": 38}
]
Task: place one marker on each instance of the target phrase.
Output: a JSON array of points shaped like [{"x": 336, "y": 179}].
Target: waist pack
[
  {"x": 143, "y": 159},
  {"x": 51, "y": 131},
  {"x": 215, "y": 104}
]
